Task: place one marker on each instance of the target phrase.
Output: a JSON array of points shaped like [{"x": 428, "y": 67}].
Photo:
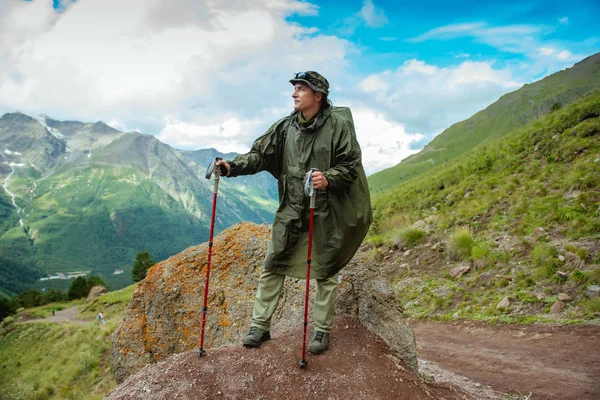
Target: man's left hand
[{"x": 319, "y": 180}]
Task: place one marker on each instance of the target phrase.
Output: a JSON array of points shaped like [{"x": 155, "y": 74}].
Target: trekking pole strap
[{"x": 309, "y": 187}]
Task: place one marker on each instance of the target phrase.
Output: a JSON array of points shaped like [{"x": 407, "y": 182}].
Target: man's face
[{"x": 304, "y": 97}]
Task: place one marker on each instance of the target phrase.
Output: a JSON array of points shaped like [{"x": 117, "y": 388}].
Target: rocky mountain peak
[
  {"x": 16, "y": 117},
  {"x": 101, "y": 127}
]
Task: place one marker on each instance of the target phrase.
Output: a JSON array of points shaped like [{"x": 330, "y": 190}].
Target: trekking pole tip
[
  {"x": 201, "y": 352},
  {"x": 302, "y": 364}
]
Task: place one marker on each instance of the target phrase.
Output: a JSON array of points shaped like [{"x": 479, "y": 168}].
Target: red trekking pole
[
  {"x": 309, "y": 191},
  {"x": 209, "y": 172}
]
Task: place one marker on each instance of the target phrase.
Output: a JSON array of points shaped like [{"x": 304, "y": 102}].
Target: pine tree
[
  {"x": 143, "y": 262},
  {"x": 79, "y": 288}
]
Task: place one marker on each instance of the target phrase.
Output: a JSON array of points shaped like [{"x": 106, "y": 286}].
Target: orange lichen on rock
[{"x": 165, "y": 313}]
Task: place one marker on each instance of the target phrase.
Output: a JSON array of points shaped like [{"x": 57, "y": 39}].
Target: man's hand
[
  {"x": 319, "y": 180},
  {"x": 224, "y": 164}
]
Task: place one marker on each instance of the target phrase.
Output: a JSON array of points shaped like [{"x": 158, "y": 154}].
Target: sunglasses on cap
[{"x": 305, "y": 76}]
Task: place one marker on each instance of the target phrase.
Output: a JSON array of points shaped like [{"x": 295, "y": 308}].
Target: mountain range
[{"x": 88, "y": 197}]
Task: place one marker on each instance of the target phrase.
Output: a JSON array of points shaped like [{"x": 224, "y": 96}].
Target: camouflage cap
[{"x": 314, "y": 80}]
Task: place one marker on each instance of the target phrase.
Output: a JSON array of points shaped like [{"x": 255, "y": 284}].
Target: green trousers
[{"x": 269, "y": 291}]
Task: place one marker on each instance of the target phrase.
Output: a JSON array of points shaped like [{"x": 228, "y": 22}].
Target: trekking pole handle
[
  {"x": 309, "y": 186},
  {"x": 217, "y": 177},
  {"x": 212, "y": 169}
]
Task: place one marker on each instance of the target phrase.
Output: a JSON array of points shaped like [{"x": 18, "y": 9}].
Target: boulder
[
  {"x": 165, "y": 313},
  {"x": 460, "y": 270},
  {"x": 96, "y": 291},
  {"x": 593, "y": 291},
  {"x": 564, "y": 297},
  {"x": 557, "y": 307},
  {"x": 504, "y": 303}
]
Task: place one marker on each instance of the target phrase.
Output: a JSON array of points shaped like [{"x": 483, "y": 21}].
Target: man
[{"x": 320, "y": 136}]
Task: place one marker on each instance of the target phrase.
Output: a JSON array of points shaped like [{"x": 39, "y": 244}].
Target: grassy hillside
[
  {"x": 97, "y": 219},
  {"x": 510, "y": 112},
  {"x": 61, "y": 361},
  {"x": 521, "y": 212}
]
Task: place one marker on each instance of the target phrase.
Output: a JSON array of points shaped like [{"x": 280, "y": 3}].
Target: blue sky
[
  {"x": 215, "y": 74},
  {"x": 397, "y": 26}
]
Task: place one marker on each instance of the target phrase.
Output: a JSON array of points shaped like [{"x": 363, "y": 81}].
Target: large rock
[
  {"x": 460, "y": 270},
  {"x": 164, "y": 316},
  {"x": 96, "y": 291},
  {"x": 593, "y": 291},
  {"x": 557, "y": 307}
]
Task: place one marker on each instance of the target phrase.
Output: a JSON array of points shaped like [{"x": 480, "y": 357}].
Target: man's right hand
[{"x": 225, "y": 164}]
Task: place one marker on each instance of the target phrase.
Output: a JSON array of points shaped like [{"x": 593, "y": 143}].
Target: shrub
[
  {"x": 594, "y": 276},
  {"x": 436, "y": 303},
  {"x": 460, "y": 244},
  {"x": 526, "y": 297},
  {"x": 376, "y": 240},
  {"x": 502, "y": 283},
  {"x": 377, "y": 254},
  {"x": 543, "y": 253},
  {"x": 578, "y": 277},
  {"x": 408, "y": 237},
  {"x": 591, "y": 307},
  {"x": 582, "y": 254},
  {"x": 480, "y": 251}
]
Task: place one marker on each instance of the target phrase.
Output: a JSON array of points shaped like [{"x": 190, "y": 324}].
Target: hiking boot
[
  {"x": 319, "y": 342},
  {"x": 255, "y": 337}
]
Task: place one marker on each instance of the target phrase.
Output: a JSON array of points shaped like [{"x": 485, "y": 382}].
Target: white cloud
[
  {"x": 525, "y": 40},
  {"x": 22, "y": 21},
  {"x": 383, "y": 143},
  {"x": 226, "y": 135},
  {"x": 411, "y": 66},
  {"x": 508, "y": 38},
  {"x": 427, "y": 99},
  {"x": 564, "y": 55},
  {"x": 546, "y": 51},
  {"x": 558, "y": 55},
  {"x": 373, "y": 17},
  {"x": 373, "y": 83},
  {"x": 449, "y": 32},
  {"x": 137, "y": 61},
  {"x": 563, "y": 20}
]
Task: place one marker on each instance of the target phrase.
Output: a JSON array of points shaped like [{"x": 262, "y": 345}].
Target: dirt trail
[
  {"x": 66, "y": 315},
  {"x": 550, "y": 362}
]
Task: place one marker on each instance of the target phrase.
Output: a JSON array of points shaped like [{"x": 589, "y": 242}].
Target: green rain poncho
[{"x": 342, "y": 210}]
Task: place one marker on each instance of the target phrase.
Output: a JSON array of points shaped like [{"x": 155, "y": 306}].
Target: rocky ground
[{"x": 358, "y": 365}]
